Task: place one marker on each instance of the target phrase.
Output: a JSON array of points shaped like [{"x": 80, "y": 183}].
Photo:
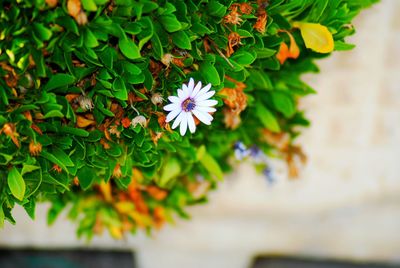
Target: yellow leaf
[
  {"x": 105, "y": 189},
  {"x": 316, "y": 36},
  {"x": 116, "y": 232}
]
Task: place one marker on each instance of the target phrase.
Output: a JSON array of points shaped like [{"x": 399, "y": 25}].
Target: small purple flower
[
  {"x": 268, "y": 174},
  {"x": 257, "y": 154},
  {"x": 241, "y": 150}
]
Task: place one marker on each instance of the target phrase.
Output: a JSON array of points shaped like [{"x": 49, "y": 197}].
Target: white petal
[
  {"x": 172, "y": 106},
  {"x": 181, "y": 94},
  {"x": 186, "y": 91},
  {"x": 203, "y": 117},
  {"x": 206, "y": 109},
  {"x": 196, "y": 89},
  {"x": 207, "y": 103},
  {"x": 177, "y": 120},
  {"x": 205, "y": 96},
  {"x": 172, "y": 115},
  {"x": 184, "y": 123},
  {"x": 191, "y": 84},
  {"x": 204, "y": 90},
  {"x": 192, "y": 125},
  {"x": 174, "y": 99}
]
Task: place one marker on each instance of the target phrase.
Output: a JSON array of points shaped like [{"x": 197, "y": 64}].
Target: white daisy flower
[{"x": 192, "y": 100}]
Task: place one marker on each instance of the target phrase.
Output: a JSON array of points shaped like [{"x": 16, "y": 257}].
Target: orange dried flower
[
  {"x": 155, "y": 136},
  {"x": 57, "y": 168},
  {"x": 233, "y": 40},
  {"x": 10, "y": 130},
  {"x": 126, "y": 122},
  {"x": 81, "y": 19},
  {"x": 105, "y": 144},
  {"x": 156, "y": 192},
  {"x": 231, "y": 119},
  {"x": 117, "y": 173},
  {"x": 233, "y": 17},
  {"x": 35, "y": 148},
  {"x": 245, "y": 8},
  {"x": 83, "y": 122},
  {"x": 199, "y": 189},
  {"x": 236, "y": 102},
  {"x": 159, "y": 216},
  {"x": 286, "y": 52},
  {"x": 52, "y": 3},
  {"x": 11, "y": 80},
  {"x": 295, "y": 157},
  {"x": 28, "y": 115},
  {"x": 37, "y": 129},
  {"x": 234, "y": 99},
  {"x": 76, "y": 181},
  {"x": 74, "y": 7},
  {"x": 279, "y": 140},
  {"x": 261, "y": 22},
  {"x": 114, "y": 130},
  {"x": 167, "y": 59},
  {"x": 136, "y": 196},
  {"x": 178, "y": 62}
]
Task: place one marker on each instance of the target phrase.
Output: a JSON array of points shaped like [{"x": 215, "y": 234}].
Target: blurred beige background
[{"x": 346, "y": 203}]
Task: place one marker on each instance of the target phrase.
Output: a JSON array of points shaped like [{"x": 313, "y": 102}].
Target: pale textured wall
[{"x": 346, "y": 203}]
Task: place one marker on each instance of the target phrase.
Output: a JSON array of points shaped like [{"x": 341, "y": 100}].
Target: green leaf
[
  {"x": 200, "y": 29},
  {"x": 74, "y": 131},
  {"x": 54, "y": 211},
  {"x": 260, "y": 79},
  {"x": 210, "y": 73},
  {"x": 16, "y": 183},
  {"x": 89, "y": 5},
  {"x": 340, "y": 46},
  {"x": 283, "y": 103},
  {"x": 54, "y": 160},
  {"x": 170, "y": 170},
  {"x": 263, "y": 53},
  {"x": 181, "y": 40},
  {"x": 89, "y": 39},
  {"x": 2, "y": 217},
  {"x": 62, "y": 156},
  {"x": 157, "y": 47},
  {"x": 120, "y": 91},
  {"x": 85, "y": 176},
  {"x": 210, "y": 164},
  {"x": 129, "y": 49},
  {"x": 170, "y": 23},
  {"x": 59, "y": 80},
  {"x": 267, "y": 118},
  {"x": 3, "y": 95},
  {"x": 42, "y": 32},
  {"x": 243, "y": 57},
  {"x": 28, "y": 168},
  {"x": 216, "y": 9},
  {"x": 53, "y": 113}
]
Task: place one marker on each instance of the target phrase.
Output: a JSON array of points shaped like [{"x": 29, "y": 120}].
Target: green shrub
[{"x": 85, "y": 82}]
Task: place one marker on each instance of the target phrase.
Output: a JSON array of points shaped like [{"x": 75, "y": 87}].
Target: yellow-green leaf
[
  {"x": 16, "y": 184},
  {"x": 316, "y": 36},
  {"x": 209, "y": 163}
]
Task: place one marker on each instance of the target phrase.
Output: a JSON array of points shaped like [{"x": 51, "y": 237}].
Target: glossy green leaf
[
  {"x": 129, "y": 49},
  {"x": 170, "y": 23},
  {"x": 59, "y": 80},
  {"x": 181, "y": 40},
  {"x": 16, "y": 183},
  {"x": 267, "y": 118},
  {"x": 283, "y": 103}
]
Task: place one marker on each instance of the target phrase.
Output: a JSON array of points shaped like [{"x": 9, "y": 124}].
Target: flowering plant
[{"x": 90, "y": 87}]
